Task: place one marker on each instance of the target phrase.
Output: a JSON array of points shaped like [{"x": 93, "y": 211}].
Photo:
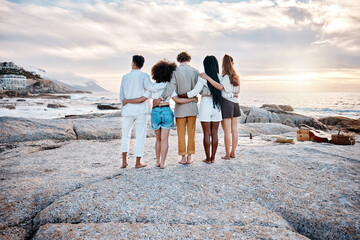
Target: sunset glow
[{"x": 277, "y": 45}]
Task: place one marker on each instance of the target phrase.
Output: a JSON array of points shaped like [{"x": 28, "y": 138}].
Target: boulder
[
  {"x": 271, "y": 106},
  {"x": 342, "y": 122},
  {"x": 258, "y": 115},
  {"x": 98, "y": 128},
  {"x": 286, "y": 108},
  {"x": 52, "y": 105},
  {"x": 289, "y": 118}
]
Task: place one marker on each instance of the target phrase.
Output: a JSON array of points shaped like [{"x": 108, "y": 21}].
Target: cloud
[{"x": 97, "y": 38}]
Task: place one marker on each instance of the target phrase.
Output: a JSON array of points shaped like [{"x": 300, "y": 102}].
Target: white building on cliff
[{"x": 12, "y": 82}]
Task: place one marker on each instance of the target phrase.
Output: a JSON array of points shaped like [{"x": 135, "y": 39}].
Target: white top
[
  {"x": 133, "y": 85},
  {"x": 202, "y": 85},
  {"x": 156, "y": 94},
  {"x": 229, "y": 88}
]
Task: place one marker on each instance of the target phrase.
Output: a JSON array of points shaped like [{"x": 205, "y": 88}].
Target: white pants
[{"x": 140, "y": 128}]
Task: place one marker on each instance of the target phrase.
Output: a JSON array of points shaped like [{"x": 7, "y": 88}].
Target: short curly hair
[
  {"x": 183, "y": 57},
  {"x": 162, "y": 71}
]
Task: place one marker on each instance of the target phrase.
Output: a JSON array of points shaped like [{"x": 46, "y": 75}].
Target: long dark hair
[
  {"x": 162, "y": 71},
  {"x": 211, "y": 68}
]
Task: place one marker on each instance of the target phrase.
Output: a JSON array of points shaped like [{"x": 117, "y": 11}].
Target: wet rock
[
  {"x": 52, "y": 105},
  {"x": 107, "y": 107},
  {"x": 342, "y": 122},
  {"x": 258, "y": 115},
  {"x": 21, "y": 100}
]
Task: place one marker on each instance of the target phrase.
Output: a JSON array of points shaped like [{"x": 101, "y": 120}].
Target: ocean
[{"x": 315, "y": 104}]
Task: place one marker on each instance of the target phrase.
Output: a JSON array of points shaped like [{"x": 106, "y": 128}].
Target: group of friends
[{"x": 183, "y": 83}]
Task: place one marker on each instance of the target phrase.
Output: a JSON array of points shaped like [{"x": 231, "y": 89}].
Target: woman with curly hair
[
  {"x": 210, "y": 107},
  {"x": 162, "y": 117},
  {"x": 229, "y": 84}
]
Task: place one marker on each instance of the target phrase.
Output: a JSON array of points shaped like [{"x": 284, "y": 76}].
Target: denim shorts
[{"x": 162, "y": 118}]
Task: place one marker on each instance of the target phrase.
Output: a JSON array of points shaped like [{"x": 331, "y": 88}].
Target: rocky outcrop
[
  {"x": 290, "y": 119},
  {"x": 20, "y": 129},
  {"x": 286, "y": 108},
  {"x": 271, "y": 106},
  {"x": 258, "y": 115},
  {"x": 104, "y": 128},
  {"x": 342, "y": 122}
]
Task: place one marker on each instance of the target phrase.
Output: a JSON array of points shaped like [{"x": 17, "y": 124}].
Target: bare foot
[
  {"x": 213, "y": 160},
  {"x": 226, "y": 157},
  {"x": 183, "y": 160},
  {"x": 141, "y": 165},
  {"x": 188, "y": 161},
  {"x": 157, "y": 163},
  {"x": 207, "y": 161},
  {"x": 232, "y": 156},
  {"x": 163, "y": 166},
  {"x": 124, "y": 165}
]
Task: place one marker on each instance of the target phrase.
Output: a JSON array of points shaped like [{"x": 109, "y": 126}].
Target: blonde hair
[{"x": 228, "y": 69}]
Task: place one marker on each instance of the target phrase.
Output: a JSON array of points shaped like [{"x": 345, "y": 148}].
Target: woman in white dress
[{"x": 230, "y": 84}]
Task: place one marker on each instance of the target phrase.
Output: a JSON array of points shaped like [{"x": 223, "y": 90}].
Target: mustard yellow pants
[{"x": 183, "y": 124}]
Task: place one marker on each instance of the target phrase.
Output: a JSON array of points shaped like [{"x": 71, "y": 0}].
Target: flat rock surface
[
  {"x": 101, "y": 128},
  {"x": 76, "y": 190}
]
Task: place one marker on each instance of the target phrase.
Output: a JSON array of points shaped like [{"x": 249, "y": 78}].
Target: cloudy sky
[{"x": 277, "y": 45}]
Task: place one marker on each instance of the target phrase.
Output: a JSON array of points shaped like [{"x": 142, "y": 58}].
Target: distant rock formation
[
  {"x": 286, "y": 108},
  {"x": 273, "y": 114}
]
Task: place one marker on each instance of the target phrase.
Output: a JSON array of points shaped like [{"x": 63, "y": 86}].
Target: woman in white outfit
[
  {"x": 230, "y": 84},
  {"x": 210, "y": 107},
  {"x": 162, "y": 117}
]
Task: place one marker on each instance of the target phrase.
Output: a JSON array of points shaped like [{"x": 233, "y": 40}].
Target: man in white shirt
[{"x": 134, "y": 85}]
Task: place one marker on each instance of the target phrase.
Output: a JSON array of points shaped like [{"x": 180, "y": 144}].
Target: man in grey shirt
[{"x": 183, "y": 80}]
